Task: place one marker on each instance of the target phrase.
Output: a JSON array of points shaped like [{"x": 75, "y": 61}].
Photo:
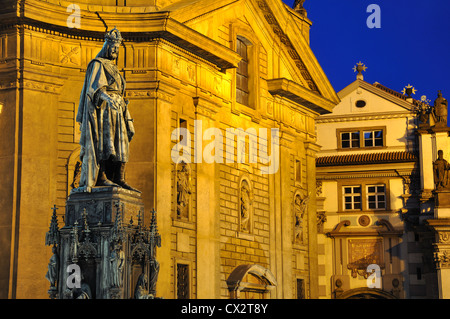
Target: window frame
[
  {"x": 188, "y": 264},
  {"x": 364, "y": 187},
  {"x": 243, "y": 78},
  {"x": 376, "y": 194},
  {"x": 243, "y": 32},
  {"x": 351, "y": 195},
  {"x": 361, "y": 131}
]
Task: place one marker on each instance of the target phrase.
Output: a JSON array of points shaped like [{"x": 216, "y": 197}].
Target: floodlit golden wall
[{"x": 173, "y": 71}]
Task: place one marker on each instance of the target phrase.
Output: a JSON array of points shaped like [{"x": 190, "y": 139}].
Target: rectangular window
[
  {"x": 376, "y": 197},
  {"x": 373, "y": 138},
  {"x": 361, "y": 138},
  {"x": 182, "y": 281},
  {"x": 183, "y": 124},
  {"x": 352, "y": 197},
  {"x": 301, "y": 289},
  {"x": 419, "y": 273},
  {"x": 298, "y": 171},
  {"x": 350, "y": 140},
  {"x": 242, "y": 91}
]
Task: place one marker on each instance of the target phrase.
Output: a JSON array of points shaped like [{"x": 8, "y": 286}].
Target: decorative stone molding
[
  {"x": 284, "y": 39},
  {"x": 442, "y": 258}
]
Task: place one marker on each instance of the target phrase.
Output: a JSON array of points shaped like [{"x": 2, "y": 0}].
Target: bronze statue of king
[{"x": 105, "y": 123}]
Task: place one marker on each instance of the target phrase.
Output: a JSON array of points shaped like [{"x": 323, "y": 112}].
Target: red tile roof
[{"x": 366, "y": 158}]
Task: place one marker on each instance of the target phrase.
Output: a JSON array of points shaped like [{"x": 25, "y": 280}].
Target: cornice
[
  {"x": 52, "y": 19},
  {"x": 363, "y": 117},
  {"x": 358, "y": 175},
  {"x": 300, "y": 95}
]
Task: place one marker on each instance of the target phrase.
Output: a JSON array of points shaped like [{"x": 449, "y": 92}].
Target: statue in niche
[
  {"x": 117, "y": 261},
  {"x": 441, "y": 171},
  {"x": 245, "y": 206},
  {"x": 84, "y": 292},
  {"x": 154, "y": 271},
  {"x": 299, "y": 212},
  {"x": 184, "y": 190},
  {"x": 440, "y": 110},
  {"x": 141, "y": 292},
  {"x": 105, "y": 123},
  {"x": 76, "y": 175},
  {"x": 53, "y": 268}
]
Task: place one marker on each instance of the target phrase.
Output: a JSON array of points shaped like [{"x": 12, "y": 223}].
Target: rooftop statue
[
  {"x": 298, "y": 6},
  {"x": 440, "y": 110},
  {"x": 105, "y": 123},
  {"x": 441, "y": 170}
]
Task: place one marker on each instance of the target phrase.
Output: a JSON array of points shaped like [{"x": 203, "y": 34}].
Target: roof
[
  {"x": 366, "y": 158},
  {"x": 394, "y": 93},
  {"x": 380, "y": 90}
]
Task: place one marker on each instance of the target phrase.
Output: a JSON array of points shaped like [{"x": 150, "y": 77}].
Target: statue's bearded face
[{"x": 113, "y": 51}]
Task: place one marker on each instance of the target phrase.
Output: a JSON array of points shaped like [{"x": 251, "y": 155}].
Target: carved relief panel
[{"x": 362, "y": 253}]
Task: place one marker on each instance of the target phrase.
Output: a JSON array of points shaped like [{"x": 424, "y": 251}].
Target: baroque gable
[{"x": 273, "y": 27}]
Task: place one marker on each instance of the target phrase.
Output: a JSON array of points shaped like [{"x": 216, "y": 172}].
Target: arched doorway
[
  {"x": 366, "y": 293},
  {"x": 250, "y": 282}
]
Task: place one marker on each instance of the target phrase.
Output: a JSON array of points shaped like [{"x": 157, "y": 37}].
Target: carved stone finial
[
  {"x": 52, "y": 236},
  {"x": 360, "y": 67},
  {"x": 408, "y": 90}
]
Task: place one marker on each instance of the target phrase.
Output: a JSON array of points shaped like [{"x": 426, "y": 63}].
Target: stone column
[
  {"x": 285, "y": 278},
  {"x": 442, "y": 254},
  {"x": 426, "y": 165},
  {"x": 208, "y": 236},
  {"x": 311, "y": 153}
]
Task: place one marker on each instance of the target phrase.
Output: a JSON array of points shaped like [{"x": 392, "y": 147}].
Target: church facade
[{"x": 235, "y": 195}]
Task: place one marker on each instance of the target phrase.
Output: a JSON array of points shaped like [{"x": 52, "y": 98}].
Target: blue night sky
[{"x": 411, "y": 47}]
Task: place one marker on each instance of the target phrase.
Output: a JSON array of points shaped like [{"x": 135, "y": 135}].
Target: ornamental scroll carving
[
  {"x": 442, "y": 259},
  {"x": 444, "y": 237}
]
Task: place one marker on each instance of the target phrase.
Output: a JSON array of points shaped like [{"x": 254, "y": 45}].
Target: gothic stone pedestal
[
  {"x": 104, "y": 237},
  {"x": 100, "y": 205}
]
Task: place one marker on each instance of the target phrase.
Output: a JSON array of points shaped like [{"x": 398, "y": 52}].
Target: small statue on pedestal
[
  {"x": 441, "y": 172},
  {"x": 117, "y": 260},
  {"x": 53, "y": 268}
]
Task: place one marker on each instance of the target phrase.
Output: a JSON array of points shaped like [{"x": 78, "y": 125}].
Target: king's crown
[{"x": 114, "y": 36}]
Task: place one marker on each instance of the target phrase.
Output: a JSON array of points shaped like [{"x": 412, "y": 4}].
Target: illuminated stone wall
[{"x": 180, "y": 67}]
